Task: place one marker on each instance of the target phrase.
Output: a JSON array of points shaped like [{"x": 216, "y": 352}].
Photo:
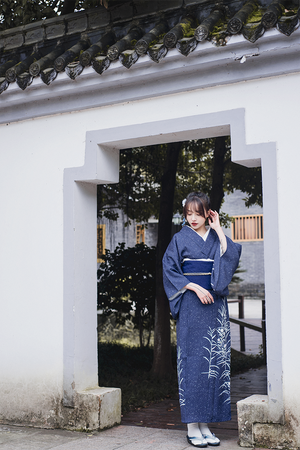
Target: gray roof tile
[{"x": 127, "y": 30}]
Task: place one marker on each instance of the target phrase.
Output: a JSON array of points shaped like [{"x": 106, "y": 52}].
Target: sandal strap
[
  {"x": 211, "y": 439},
  {"x": 197, "y": 441}
]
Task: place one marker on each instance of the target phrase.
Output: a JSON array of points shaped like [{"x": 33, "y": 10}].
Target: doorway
[{"x": 101, "y": 166}]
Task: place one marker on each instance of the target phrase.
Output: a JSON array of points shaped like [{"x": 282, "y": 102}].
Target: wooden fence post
[
  {"x": 242, "y": 329},
  {"x": 263, "y": 325}
]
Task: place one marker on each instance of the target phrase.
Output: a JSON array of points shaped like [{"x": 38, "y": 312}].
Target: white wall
[{"x": 33, "y": 157}]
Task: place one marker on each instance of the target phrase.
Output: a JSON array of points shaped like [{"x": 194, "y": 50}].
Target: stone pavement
[
  {"x": 121, "y": 437},
  {"x": 157, "y": 427}
]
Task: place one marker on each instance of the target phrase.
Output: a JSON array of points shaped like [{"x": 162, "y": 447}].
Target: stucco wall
[
  {"x": 32, "y": 160},
  {"x": 33, "y": 156}
]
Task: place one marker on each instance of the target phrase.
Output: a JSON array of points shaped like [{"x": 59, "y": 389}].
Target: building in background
[
  {"x": 110, "y": 233},
  {"x": 247, "y": 230}
]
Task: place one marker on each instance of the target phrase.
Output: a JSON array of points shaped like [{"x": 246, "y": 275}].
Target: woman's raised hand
[
  {"x": 214, "y": 220},
  {"x": 214, "y": 223}
]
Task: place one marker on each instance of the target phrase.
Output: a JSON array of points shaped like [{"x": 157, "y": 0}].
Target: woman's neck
[{"x": 202, "y": 231}]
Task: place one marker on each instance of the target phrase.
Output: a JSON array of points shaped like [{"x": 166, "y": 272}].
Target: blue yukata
[{"x": 203, "y": 331}]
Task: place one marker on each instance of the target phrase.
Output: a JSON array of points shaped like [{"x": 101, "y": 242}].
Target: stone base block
[
  {"x": 274, "y": 435},
  {"x": 95, "y": 409},
  {"x": 251, "y": 410},
  {"x": 92, "y": 409},
  {"x": 256, "y": 429}
]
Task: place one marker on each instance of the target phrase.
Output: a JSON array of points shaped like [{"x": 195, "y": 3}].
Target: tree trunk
[
  {"x": 162, "y": 363},
  {"x": 217, "y": 191},
  {"x": 68, "y": 7},
  {"x": 141, "y": 330},
  {"x": 149, "y": 336}
]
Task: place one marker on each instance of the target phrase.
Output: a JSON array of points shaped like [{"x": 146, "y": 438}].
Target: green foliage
[
  {"x": 20, "y": 12},
  {"x": 15, "y": 13},
  {"x": 225, "y": 219},
  {"x": 129, "y": 369},
  {"x": 247, "y": 180},
  {"x": 236, "y": 279},
  {"x": 138, "y": 190},
  {"x": 109, "y": 330},
  {"x": 195, "y": 169},
  {"x": 126, "y": 285},
  {"x": 241, "y": 362}
]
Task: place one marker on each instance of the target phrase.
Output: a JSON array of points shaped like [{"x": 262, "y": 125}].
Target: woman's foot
[
  {"x": 194, "y": 435},
  {"x": 211, "y": 439},
  {"x": 197, "y": 441}
]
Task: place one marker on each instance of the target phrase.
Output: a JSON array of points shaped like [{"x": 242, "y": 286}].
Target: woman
[{"x": 198, "y": 266}]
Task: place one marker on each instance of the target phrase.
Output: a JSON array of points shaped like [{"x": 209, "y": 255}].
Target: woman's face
[{"x": 196, "y": 221}]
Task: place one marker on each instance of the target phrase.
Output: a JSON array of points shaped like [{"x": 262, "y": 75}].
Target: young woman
[{"x": 198, "y": 266}]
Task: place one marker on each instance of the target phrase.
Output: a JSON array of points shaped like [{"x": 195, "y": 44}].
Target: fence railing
[{"x": 243, "y": 323}]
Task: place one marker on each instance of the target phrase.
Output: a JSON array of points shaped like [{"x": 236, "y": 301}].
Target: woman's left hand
[
  {"x": 214, "y": 223},
  {"x": 214, "y": 220}
]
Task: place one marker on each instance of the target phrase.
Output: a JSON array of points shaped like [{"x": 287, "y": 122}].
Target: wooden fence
[{"x": 242, "y": 322}]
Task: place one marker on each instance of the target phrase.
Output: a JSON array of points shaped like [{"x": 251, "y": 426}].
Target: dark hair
[{"x": 200, "y": 202}]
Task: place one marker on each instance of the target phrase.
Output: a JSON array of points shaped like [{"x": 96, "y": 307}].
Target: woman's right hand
[{"x": 204, "y": 296}]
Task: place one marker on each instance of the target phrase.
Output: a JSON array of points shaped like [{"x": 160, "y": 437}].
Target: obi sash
[{"x": 198, "y": 271}]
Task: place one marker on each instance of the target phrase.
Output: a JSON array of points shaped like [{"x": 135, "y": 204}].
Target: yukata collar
[
  {"x": 204, "y": 246},
  {"x": 206, "y": 234}
]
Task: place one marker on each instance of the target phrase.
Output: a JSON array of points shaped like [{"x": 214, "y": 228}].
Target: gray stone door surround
[{"x": 101, "y": 166}]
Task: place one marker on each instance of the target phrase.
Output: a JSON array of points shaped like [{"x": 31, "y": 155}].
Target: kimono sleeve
[
  {"x": 225, "y": 266},
  {"x": 173, "y": 278}
]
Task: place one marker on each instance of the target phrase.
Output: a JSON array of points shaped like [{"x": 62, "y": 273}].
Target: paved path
[{"x": 121, "y": 437}]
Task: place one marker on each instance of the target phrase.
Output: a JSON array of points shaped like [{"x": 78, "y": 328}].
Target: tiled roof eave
[
  {"x": 205, "y": 67},
  {"x": 100, "y": 37}
]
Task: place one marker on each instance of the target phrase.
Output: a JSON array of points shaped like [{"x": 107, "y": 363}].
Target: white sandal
[
  {"x": 211, "y": 439},
  {"x": 197, "y": 441}
]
